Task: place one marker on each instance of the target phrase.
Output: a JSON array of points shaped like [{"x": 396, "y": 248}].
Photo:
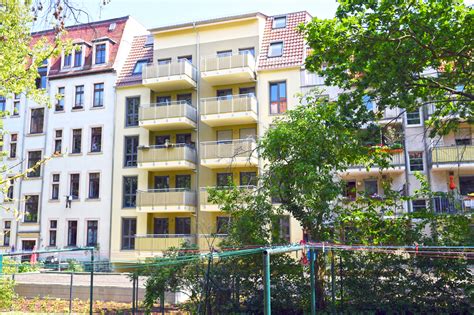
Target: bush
[
  {"x": 74, "y": 266},
  {"x": 7, "y": 294}
]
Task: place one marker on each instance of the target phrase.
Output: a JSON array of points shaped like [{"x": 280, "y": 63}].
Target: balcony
[
  {"x": 225, "y": 111},
  {"x": 235, "y": 153},
  {"x": 449, "y": 157},
  {"x": 166, "y": 200},
  {"x": 209, "y": 206},
  {"x": 232, "y": 69},
  {"x": 151, "y": 243},
  {"x": 170, "y": 76},
  {"x": 397, "y": 165},
  {"x": 169, "y": 157},
  {"x": 166, "y": 116},
  {"x": 391, "y": 115}
]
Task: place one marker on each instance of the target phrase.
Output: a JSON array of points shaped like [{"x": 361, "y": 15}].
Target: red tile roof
[
  {"x": 87, "y": 33},
  {"x": 293, "y": 42},
  {"x": 138, "y": 51}
]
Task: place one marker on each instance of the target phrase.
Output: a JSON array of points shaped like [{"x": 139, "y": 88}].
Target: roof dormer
[{"x": 101, "y": 49}]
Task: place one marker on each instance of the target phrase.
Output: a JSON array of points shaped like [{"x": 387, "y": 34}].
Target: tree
[{"x": 400, "y": 54}]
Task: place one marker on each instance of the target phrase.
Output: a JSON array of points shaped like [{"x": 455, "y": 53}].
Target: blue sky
[{"x": 165, "y": 12}]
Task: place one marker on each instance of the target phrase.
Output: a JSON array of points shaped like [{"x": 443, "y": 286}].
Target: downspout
[
  {"x": 198, "y": 142},
  {"x": 113, "y": 173},
  {"x": 43, "y": 199},
  {"x": 426, "y": 147},
  {"x": 407, "y": 159}
]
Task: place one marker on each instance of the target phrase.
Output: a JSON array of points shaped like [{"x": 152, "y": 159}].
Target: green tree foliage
[{"x": 400, "y": 53}]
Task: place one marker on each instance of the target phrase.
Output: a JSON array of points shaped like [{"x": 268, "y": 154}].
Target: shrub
[{"x": 7, "y": 293}]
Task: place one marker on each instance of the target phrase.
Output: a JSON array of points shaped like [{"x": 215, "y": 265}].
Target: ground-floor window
[{"x": 466, "y": 185}]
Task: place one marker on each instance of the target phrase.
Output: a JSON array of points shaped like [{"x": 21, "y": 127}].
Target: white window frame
[
  {"x": 89, "y": 183},
  {"x": 53, "y": 229},
  {"x": 414, "y": 125},
  {"x": 51, "y": 183},
  {"x": 72, "y": 141},
  {"x": 89, "y": 147},
  {"x": 85, "y": 229},
  {"x": 270, "y": 48},
  {"x": 106, "y": 52},
  {"x": 422, "y": 159},
  {"x": 56, "y": 138},
  {"x": 69, "y": 185},
  {"x": 279, "y": 17}
]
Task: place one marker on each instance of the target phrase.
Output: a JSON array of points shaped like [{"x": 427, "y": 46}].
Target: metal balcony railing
[
  {"x": 167, "y": 153},
  {"x": 445, "y": 205},
  {"x": 204, "y": 194},
  {"x": 396, "y": 160},
  {"x": 241, "y": 148},
  {"x": 160, "y": 242},
  {"x": 166, "y": 197},
  {"x": 175, "y": 109},
  {"x": 182, "y": 67},
  {"x": 216, "y": 63},
  {"x": 453, "y": 154},
  {"x": 229, "y": 104}
]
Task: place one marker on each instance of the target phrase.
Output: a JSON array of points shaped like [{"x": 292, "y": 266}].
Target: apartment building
[
  {"x": 67, "y": 202},
  {"x": 191, "y": 103}
]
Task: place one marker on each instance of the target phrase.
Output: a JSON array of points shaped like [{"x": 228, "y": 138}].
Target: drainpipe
[
  {"x": 426, "y": 147},
  {"x": 43, "y": 179},
  {"x": 198, "y": 142},
  {"x": 407, "y": 159},
  {"x": 113, "y": 173}
]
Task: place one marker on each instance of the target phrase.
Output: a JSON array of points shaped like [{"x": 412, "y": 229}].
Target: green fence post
[
  {"x": 266, "y": 276},
  {"x": 91, "y": 305},
  {"x": 312, "y": 258},
  {"x": 333, "y": 288},
  {"x": 1, "y": 264}
]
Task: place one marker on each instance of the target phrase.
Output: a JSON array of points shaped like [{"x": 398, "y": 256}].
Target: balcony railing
[
  {"x": 445, "y": 205},
  {"x": 176, "y": 109},
  {"x": 240, "y": 148},
  {"x": 167, "y": 200},
  {"x": 397, "y": 160},
  {"x": 166, "y": 155},
  {"x": 216, "y": 63},
  {"x": 457, "y": 154},
  {"x": 183, "y": 67},
  {"x": 161, "y": 242},
  {"x": 208, "y": 205},
  {"x": 231, "y": 104}
]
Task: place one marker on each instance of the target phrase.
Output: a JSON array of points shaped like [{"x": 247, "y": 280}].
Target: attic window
[
  {"x": 149, "y": 40},
  {"x": 139, "y": 66},
  {"x": 100, "y": 53},
  {"x": 279, "y": 22},
  {"x": 112, "y": 26},
  {"x": 276, "y": 49}
]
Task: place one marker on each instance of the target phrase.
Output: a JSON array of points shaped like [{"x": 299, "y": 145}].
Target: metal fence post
[
  {"x": 266, "y": 276},
  {"x": 312, "y": 258},
  {"x": 70, "y": 293},
  {"x": 91, "y": 303},
  {"x": 333, "y": 288}
]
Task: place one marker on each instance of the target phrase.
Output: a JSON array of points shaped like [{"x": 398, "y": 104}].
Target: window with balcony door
[
  {"x": 224, "y": 179},
  {"x": 224, "y": 94},
  {"x": 248, "y": 178},
  {"x": 129, "y": 230},
  {"x": 131, "y": 151},
  {"x": 184, "y": 138},
  {"x": 247, "y": 51},
  {"x": 183, "y": 226},
  {"x": 132, "y": 105},
  {"x": 160, "y": 226},
  {"x": 224, "y": 136},
  {"x": 278, "y": 100},
  {"x": 224, "y": 53},
  {"x": 275, "y": 49},
  {"x": 222, "y": 225},
  {"x": 163, "y": 100},
  {"x": 162, "y": 182},
  {"x": 183, "y": 182},
  {"x": 161, "y": 140},
  {"x": 185, "y": 98}
]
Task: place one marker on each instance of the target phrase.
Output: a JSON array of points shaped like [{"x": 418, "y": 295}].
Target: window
[
  {"x": 416, "y": 161},
  {"x": 224, "y": 179},
  {"x": 186, "y": 58},
  {"x": 164, "y": 61},
  {"x": 67, "y": 60},
  {"x": 131, "y": 151},
  {"x": 96, "y": 139},
  {"x": 11, "y": 186},
  {"x": 413, "y": 117},
  {"x": 418, "y": 205},
  {"x": 41, "y": 80},
  {"x": 248, "y": 178},
  {"x": 13, "y": 145},
  {"x": 98, "y": 95},
  {"x": 78, "y": 57},
  {"x": 163, "y": 100},
  {"x": 129, "y": 198},
  {"x": 92, "y": 228},
  {"x": 224, "y": 53},
  {"x": 279, "y": 22},
  {"x": 162, "y": 183},
  {"x": 368, "y": 103},
  {"x": 278, "y": 97},
  {"x": 60, "y": 102},
  {"x": 33, "y": 158},
  {"x": 184, "y": 138},
  {"x": 188, "y": 98},
  {"x": 247, "y": 91},
  {"x": 76, "y": 141},
  {"x": 350, "y": 190},
  {"x": 31, "y": 209},
  {"x": 74, "y": 185},
  {"x": 72, "y": 233},
  {"x": 138, "y": 69},
  {"x": 183, "y": 182},
  {"x": 371, "y": 187},
  {"x": 16, "y": 105},
  {"x": 160, "y": 226},
  {"x": 7, "y": 225},
  {"x": 131, "y": 111},
  {"x": 183, "y": 226},
  {"x": 224, "y": 94},
  {"x": 224, "y": 136},
  {"x": 466, "y": 185},
  {"x": 222, "y": 225},
  {"x": 79, "y": 97},
  {"x": 281, "y": 229},
  {"x": 55, "y": 187},
  {"x": 37, "y": 120},
  {"x": 3, "y": 102},
  {"x": 129, "y": 229},
  {"x": 94, "y": 185},
  {"x": 276, "y": 49},
  {"x": 247, "y": 51},
  {"x": 58, "y": 141},
  {"x": 99, "y": 54},
  {"x": 463, "y": 136},
  {"x": 53, "y": 230}
]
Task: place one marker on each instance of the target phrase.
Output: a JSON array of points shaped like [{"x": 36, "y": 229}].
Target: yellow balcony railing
[
  {"x": 397, "y": 160},
  {"x": 169, "y": 76},
  {"x": 458, "y": 154},
  {"x": 160, "y": 242},
  {"x": 241, "y": 152},
  {"x": 166, "y": 200},
  {"x": 228, "y": 110},
  {"x": 171, "y": 156},
  {"x": 207, "y": 205},
  {"x": 216, "y": 63},
  {"x": 167, "y": 115}
]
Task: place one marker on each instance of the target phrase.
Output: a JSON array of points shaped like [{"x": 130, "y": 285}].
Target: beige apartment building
[{"x": 190, "y": 104}]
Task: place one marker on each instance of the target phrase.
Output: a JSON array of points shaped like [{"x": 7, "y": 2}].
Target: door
[
  {"x": 224, "y": 179},
  {"x": 183, "y": 226},
  {"x": 183, "y": 182},
  {"x": 160, "y": 226},
  {"x": 250, "y": 91},
  {"x": 27, "y": 246},
  {"x": 162, "y": 182},
  {"x": 248, "y": 133},
  {"x": 163, "y": 100},
  {"x": 185, "y": 98},
  {"x": 184, "y": 138},
  {"x": 224, "y": 94},
  {"x": 350, "y": 191},
  {"x": 161, "y": 140},
  {"x": 224, "y": 144}
]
